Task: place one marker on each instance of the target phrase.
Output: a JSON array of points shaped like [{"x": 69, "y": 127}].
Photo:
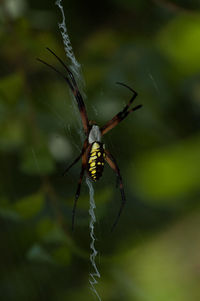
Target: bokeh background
[{"x": 154, "y": 252}]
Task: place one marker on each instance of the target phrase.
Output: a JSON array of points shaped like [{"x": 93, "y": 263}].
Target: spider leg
[
  {"x": 74, "y": 88},
  {"x": 77, "y": 194},
  {"x": 64, "y": 65},
  {"x": 132, "y": 98},
  {"x": 113, "y": 164},
  {"x": 122, "y": 114},
  {"x": 77, "y": 159},
  {"x": 83, "y": 167},
  {"x": 76, "y": 93},
  {"x": 72, "y": 164}
]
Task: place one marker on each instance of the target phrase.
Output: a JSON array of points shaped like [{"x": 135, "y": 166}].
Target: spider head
[{"x": 94, "y": 134}]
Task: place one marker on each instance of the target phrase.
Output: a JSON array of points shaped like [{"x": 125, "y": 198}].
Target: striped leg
[
  {"x": 121, "y": 115},
  {"x": 74, "y": 88},
  {"x": 77, "y": 195},
  {"x": 78, "y": 158},
  {"x": 113, "y": 164},
  {"x": 84, "y": 163}
]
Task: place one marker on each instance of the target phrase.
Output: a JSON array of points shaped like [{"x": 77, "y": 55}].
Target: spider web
[{"x": 76, "y": 69}]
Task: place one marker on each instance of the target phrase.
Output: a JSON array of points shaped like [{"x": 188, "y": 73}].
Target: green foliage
[
  {"x": 11, "y": 135},
  {"x": 38, "y": 254},
  {"x": 11, "y": 88},
  {"x": 175, "y": 172},
  {"x": 179, "y": 41},
  {"x": 37, "y": 161},
  {"x": 29, "y": 206}
]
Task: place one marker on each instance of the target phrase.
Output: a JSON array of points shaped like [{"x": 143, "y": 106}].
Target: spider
[{"x": 93, "y": 153}]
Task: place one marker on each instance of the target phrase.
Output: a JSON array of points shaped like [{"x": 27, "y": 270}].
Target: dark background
[{"x": 153, "y": 254}]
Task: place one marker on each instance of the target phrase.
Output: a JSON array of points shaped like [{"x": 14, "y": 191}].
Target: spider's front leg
[
  {"x": 78, "y": 158},
  {"x": 74, "y": 88},
  {"x": 122, "y": 114},
  {"x": 113, "y": 164}
]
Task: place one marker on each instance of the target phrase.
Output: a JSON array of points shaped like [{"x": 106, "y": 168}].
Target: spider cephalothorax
[{"x": 93, "y": 153}]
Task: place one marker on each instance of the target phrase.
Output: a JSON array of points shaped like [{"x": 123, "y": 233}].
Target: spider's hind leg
[
  {"x": 77, "y": 195},
  {"x": 113, "y": 164},
  {"x": 85, "y": 151}
]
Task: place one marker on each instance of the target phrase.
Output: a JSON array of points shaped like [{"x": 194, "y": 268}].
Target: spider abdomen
[{"x": 96, "y": 160}]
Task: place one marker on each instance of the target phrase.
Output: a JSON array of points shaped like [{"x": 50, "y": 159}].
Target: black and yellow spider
[{"x": 93, "y": 153}]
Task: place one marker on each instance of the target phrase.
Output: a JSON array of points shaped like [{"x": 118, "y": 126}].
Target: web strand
[{"x": 76, "y": 69}]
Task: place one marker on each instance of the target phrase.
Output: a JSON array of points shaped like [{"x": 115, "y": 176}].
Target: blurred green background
[{"x": 154, "y": 252}]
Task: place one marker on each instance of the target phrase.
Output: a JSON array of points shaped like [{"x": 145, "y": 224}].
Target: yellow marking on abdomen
[
  {"x": 95, "y": 145},
  {"x": 96, "y": 161},
  {"x": 93, "y": 153},
  {"x": 92, "y": 159}
]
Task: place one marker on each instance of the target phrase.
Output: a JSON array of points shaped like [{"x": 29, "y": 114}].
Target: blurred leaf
[
  {"x": 170, "y": 173},
  {"x": 44, "y": 226},
  {"x": 62, "y": 255},
  {"x": 60, "y": 147},
  {"x": 102, "y": 43},
  {"x": 166, "y": 267},
  {"x": 49, "y": 231},
  {"x": 11, "y": 134},
  {"x": 180, "y": 41},
  {"x": 6, "y": 212},
  {"x": 37, "y": 161},
  {"x": 95, "y": 73},
  {"x": 99, "y": 49},
  {"x": 9, "y": 214},
  {"x": 11, "y": 88},
  {"x": 37, "y": 253},
  {"x": 29, "y": 206}
]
